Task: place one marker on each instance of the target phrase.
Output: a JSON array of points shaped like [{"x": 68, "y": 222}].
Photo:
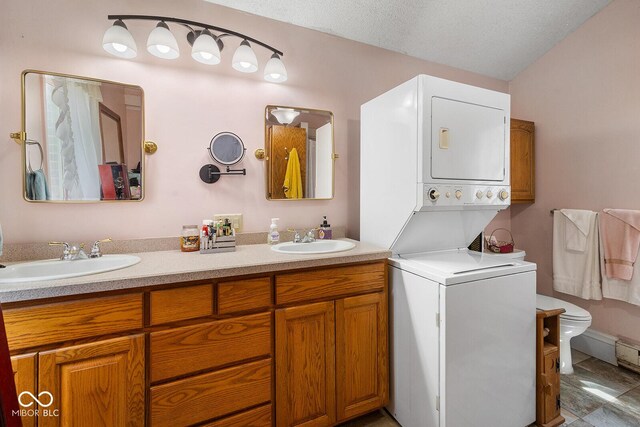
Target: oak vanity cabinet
[
  {"x": 522, "y": 161},
  {"x": 331, "y": 355},
  {"x": 284, "y": 348},
  {"x": 96, "y": 382}
]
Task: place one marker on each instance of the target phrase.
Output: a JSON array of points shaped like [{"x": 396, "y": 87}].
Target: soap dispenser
[
  {"x": 274, "y": 236},
  {"x": 324, "y": 231}
]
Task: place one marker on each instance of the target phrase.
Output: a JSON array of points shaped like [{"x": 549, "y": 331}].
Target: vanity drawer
[
  {"x": 329, "y": 283},
  {"x": 65, "y": 321},
  {"x": 244, "y": 295},
  {"x": 208, "y": 345},
  {"x": 189, "y": 302},
  {"x": 212, "y": 395},
  {"x": 256, "y": 417}
]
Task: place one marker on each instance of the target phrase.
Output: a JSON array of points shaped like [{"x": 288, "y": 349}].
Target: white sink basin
[
  {"x": 56, "y": 269},
  {"x": 317, "y": 247}
]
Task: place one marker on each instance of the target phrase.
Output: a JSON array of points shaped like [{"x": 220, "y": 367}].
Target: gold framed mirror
[
  {"x": 82, "y": 139},
  {"x": 299, "y": 153}
]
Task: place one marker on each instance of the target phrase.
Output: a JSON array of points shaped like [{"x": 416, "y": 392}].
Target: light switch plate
[{"x": 235, "y": 219}]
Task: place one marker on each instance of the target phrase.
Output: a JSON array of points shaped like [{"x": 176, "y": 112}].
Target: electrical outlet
[{"x": 234, "y": 219}]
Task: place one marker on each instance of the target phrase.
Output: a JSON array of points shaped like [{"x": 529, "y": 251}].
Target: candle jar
[{"x": 190, "y": 238}]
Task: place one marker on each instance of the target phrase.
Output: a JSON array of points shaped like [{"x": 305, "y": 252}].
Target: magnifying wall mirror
[
  {"x": 83, "y": 139},
  {"x": 227, "y": 148},
  {"x": 299, "y": 152}
]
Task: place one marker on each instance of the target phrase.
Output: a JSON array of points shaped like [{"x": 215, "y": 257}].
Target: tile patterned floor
[
  {"x": 596, "y": 395},
  {"x": 599, "y": 394}
]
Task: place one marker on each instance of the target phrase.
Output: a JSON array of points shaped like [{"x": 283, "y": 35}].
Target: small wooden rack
[{"x": 548, "y": 368}]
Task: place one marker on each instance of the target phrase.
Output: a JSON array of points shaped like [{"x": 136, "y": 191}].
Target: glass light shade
[
  {"x": 118, "y": 41},
  {"x": 162, "y": 43},
  {"x": 275, "y": 71},
  {"x": 205, "y": 49},
  {"x": 244, "y": 59},
  {"x": 285, "y": 115}
]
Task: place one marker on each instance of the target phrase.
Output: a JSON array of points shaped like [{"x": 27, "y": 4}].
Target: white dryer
[{"x": 434, "y": 172}]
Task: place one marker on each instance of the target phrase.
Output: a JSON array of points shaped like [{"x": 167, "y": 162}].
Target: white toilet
[{"x": 574, "y": 321}]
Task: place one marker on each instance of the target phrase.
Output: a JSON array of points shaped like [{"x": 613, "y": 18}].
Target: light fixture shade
[
  {"x": 285, "y": 115},
  {"x": 244, "y": 59},
  {"x": 205, "y": 49},
  {"x": 162, "y": 43},
  {"x": 118, "y": 41},
  {"x": 275, "y": 71}
]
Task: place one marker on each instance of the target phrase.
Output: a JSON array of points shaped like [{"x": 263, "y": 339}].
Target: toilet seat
[{"x": 572, "y": 311}]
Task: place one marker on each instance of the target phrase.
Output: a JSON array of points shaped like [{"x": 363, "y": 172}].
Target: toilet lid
[{"x": 572, "y": 311}]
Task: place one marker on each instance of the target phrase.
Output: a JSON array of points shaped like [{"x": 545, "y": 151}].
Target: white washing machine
[{"x": 434, "y": 172}]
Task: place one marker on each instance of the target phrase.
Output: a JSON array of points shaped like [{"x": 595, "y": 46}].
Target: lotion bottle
[
  {"x": 324, "y": 232},
  {"x": 273, "y": 237}
]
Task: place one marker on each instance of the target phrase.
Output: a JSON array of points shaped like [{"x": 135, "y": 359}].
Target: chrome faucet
[
  {"x": 70, "y": 252},
  {"x": 308, "y": 237},
  {"x": 95, "y": 249}
]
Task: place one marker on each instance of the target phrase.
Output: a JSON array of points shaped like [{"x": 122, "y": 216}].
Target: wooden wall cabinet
[
  {"x": 332, "y": 356},
  {"x": 548, "y": 368},
  {"x": 522, "y": 161}
]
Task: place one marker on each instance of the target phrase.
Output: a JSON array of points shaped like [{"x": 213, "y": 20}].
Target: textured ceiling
[{"x": 497, "y": 38}]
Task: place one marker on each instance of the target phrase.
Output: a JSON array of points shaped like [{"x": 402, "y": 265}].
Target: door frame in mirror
[
  {"x": 23, "y": 136},
  {"x": 268, "y": 157}
]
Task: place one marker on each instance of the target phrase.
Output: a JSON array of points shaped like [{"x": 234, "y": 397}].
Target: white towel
[
  {"x": 576, "y": 264},
  {"x": 623, "y": 290},
  {"x": 576, "y": 229}
]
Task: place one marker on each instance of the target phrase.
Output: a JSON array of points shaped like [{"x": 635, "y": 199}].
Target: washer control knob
[
  {"x": 479, "y": 194},
  {"x": 458, "y": 194},
  {"x": 448, "y": 194},
  {"x": 489, "y": 194},
  {"x": 503, "y": 195},
  {"x": 434, "y": 194}
]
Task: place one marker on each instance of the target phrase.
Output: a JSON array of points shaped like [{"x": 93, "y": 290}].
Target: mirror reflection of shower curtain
[
  {"x": 78, "y": 127},
  {"x": 310, "y": 192}
]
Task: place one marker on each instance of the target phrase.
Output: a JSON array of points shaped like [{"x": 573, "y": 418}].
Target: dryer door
[{"x": 467, "y": 141}]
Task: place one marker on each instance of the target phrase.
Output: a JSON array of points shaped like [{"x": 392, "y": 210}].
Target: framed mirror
[
  {"x": 83, "y": 139},
  {"x": 299, "y": 153}
]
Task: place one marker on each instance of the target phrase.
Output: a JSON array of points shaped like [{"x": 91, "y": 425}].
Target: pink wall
[
  {"x": 584, "y": 96},
  {"x": 186, "y": 104}
]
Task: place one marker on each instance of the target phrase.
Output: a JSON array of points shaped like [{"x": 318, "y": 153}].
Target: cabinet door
[
  {"x": 24, "y": 375},
  {"x": 361, "y": 354},
  {"x": 94, "y": 384},
  {"x": 305, "y": 365},
  {"x": 522, "y": 162},
  {"x": 552, "y": 393}
]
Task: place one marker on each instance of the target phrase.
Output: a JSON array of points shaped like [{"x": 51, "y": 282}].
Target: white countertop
[{"x": 158, "y": 268}]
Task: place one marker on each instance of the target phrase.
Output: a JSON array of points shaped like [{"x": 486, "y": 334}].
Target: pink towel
[{"x": 620, "y": 234}]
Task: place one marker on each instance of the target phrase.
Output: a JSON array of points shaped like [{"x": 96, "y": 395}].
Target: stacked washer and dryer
[{"x": 434, "y": 172}]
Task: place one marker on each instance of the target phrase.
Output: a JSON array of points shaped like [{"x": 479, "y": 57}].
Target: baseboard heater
[{"x": 628, "y": 355}]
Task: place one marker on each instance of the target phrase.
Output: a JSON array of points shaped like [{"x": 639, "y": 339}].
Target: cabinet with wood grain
[
  {"x": 298, "y": 347},
  {"x": 522, "y": 161},
  {"x": 331, "y": 355}
]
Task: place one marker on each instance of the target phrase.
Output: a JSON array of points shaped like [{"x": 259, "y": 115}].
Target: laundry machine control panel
[{"x": 463, "y": 196}]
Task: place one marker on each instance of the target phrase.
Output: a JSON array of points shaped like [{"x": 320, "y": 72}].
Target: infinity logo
[{"x": 35, "y": 399}]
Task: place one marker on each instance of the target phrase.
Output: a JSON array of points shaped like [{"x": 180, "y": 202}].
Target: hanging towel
[
  {"x": 37, "y": 188},
  {"x": 293, "y": 179},
  {"x": 620, "y": 230},
  {"x": 576, "y": 229},
  {"x": 623, "y": 290},
  {"x": 576, "y": 271}
]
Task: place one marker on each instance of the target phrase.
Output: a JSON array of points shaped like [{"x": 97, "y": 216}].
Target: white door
[
  {"x": 468, "y": 141},
  {"x": 488, "y": 351}
]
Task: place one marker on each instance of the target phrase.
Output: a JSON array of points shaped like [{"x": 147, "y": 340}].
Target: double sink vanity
[{"x": 252, "y": 337}]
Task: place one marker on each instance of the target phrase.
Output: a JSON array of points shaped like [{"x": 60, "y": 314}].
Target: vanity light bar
[{"x": 205, "y": 41}]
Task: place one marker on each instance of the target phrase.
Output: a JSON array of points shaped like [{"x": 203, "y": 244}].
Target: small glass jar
[{"x": 190, "y": 239}]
